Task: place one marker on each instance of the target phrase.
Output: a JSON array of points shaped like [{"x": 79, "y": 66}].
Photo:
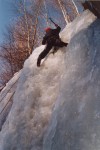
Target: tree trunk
[
  {"x": 28, "y": 32},
  {"x": 66, "y": 17},
  {"x": 35, "y": 26},
  {"x": 76, "y": 9},
  {"x": 47, "y": 22}
]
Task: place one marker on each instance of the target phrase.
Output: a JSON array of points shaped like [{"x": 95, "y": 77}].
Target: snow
[
  {"x": 75, "y": 123},
  {"x": 77, "y": 25},
  {"x": 6, "y": 98},
  {"x": 57, "y": 106},
  {"x": 36, "y": 93}
]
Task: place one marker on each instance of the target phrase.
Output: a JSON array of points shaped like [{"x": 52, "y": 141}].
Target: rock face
[
  {"x": 57, "y": 106},
  {"x": 93, "y": 6}
]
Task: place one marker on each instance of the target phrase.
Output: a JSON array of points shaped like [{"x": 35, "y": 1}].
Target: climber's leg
[{"x": 43, "y": 54}]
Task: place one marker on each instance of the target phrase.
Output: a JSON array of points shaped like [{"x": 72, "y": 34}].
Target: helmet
[{"x": 47, "y": 29}]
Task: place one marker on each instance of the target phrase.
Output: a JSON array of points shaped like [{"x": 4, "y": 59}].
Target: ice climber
[{"x": 52, "y": 40}]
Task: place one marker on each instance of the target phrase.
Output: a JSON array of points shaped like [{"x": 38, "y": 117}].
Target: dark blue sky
[{"x": 6, "y": 16}]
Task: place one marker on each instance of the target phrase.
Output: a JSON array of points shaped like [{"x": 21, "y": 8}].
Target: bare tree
[
  {"x": 75, "y": 7},
  {"x": 64, "y": 12},
  {"x": 20, "y": 40},
  {"x": 26, "y": 33},
  {"x": 46, "y": 13},
  {"x": 68, "y": 9}
]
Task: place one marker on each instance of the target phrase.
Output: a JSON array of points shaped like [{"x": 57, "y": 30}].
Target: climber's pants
[
  {"x": 51, "y": 43},
  {"x": 44, "y": 53}
]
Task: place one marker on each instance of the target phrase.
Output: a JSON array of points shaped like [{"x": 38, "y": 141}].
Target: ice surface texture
[{"x": 57, "y": 106}]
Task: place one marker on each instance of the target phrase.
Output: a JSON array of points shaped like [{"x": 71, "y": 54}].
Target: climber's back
[{"x": 51, "y": 33}]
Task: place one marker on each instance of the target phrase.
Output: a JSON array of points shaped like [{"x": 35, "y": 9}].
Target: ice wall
[
  {"x": 36, "y": 93},
  {"x": 75, "y": 123},
  {"x": 56, "y": 106},
  {"x": 6, "y": 98}
]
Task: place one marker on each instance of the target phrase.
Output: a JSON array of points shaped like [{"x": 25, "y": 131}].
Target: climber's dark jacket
[
  {"x": 51, "y": 35},
  {"x": 51, "y": 39}
]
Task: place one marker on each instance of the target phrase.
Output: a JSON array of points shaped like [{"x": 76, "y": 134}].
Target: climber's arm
[
  {"x": 44, "y": 40},
  {"x": 58, "y": 28}
]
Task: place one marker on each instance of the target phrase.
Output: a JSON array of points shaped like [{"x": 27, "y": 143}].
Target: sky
[{"x": 6, "y": 16}]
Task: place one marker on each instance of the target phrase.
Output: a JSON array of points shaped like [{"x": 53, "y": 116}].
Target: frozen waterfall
[{"x": 57, "y": 106}]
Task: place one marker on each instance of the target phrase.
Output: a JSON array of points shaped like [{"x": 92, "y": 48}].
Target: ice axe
[{"x": 53, "y": 22}]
